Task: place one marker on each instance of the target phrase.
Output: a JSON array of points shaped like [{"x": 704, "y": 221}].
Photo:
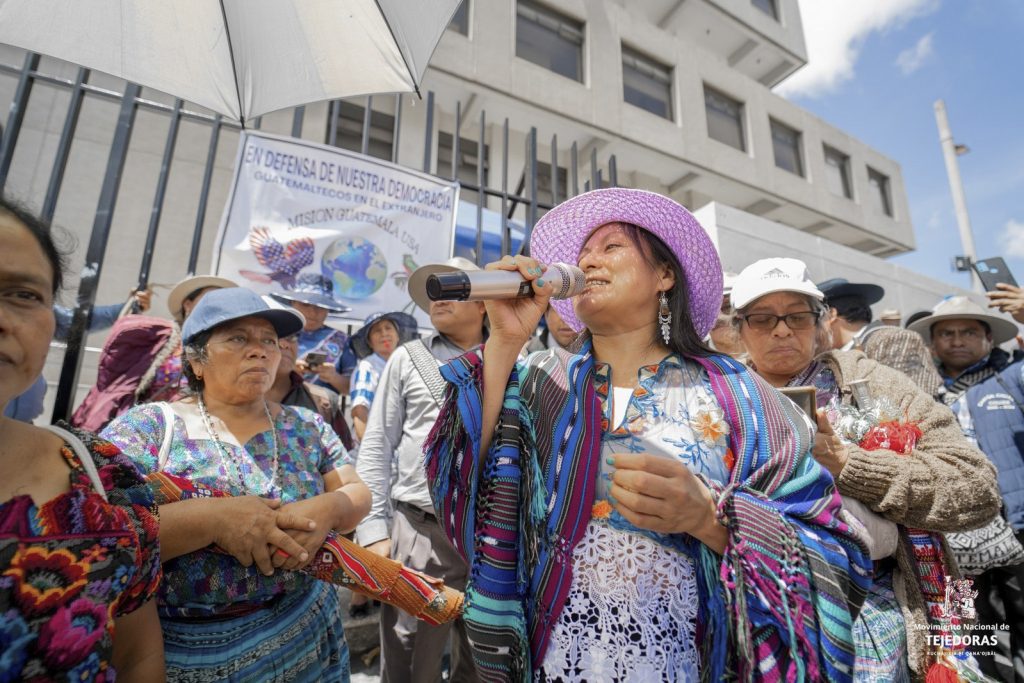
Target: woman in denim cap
[{"x": 242, "y": 614}]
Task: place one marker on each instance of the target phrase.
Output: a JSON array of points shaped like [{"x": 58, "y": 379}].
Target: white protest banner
[{"x": 298, "y": 210}]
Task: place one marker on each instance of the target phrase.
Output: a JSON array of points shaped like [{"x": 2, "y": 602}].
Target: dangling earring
[{"x": 664, "y": 317}]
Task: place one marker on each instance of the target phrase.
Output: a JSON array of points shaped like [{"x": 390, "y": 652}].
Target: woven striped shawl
[{"x": 776, "y": 606}]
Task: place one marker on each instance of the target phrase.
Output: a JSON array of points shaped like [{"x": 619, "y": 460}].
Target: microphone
[{"x": 480, "y": 285}]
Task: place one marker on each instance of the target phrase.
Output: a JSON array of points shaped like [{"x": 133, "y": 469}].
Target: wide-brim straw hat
[
  {"x": 962, "y": 308},
  {"x": 559, "y": 236},
  {"x": 189, "y": 286},
  {"x": 404, "y": 323},
  {"x": 418, "y": 278}
]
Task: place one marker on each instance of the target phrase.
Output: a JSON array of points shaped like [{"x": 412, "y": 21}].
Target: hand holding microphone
[
  {"x": 515, "y": 289},
  {"x": 483, "y": 285}
]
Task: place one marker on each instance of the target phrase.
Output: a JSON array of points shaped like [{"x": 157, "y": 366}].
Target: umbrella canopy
[{"x": 241, "y": 58}]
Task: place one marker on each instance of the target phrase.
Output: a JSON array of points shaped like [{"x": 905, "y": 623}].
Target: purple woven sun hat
[{"x": 559, "y": 236}]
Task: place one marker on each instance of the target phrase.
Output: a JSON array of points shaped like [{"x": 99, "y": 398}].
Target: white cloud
[
  {"x": 835, "y": 31},
  {"x": 913, "y": 58},
  {"x": 1012, "y": 239}
]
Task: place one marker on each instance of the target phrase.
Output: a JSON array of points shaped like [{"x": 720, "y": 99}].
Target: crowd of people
[{"x": 679, "y": 474}]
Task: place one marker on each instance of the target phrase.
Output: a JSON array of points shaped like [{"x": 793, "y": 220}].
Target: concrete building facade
[{"x": 672, "y": 96}]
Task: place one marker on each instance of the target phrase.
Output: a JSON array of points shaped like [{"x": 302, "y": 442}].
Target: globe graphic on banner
[{"x": 355, "y": 266}]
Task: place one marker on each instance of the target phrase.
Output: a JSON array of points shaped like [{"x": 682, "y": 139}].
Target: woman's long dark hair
[
  {"x": 44, "y": 235},
  {"x": 683, "y": 338}
]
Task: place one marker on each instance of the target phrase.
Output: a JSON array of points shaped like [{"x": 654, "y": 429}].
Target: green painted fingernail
[
  {"x": 540, "y": 282},
  {"x": 610, "y": 461}
]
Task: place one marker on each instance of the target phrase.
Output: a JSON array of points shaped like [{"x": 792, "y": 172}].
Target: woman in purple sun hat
[{"x": 643, "y": 486}]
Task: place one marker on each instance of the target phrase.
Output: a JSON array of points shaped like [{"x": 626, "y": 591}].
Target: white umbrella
[{"x": 241, "y": 58}]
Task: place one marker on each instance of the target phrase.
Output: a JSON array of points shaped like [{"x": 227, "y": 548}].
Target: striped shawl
[{"x": 776, "y": 606}]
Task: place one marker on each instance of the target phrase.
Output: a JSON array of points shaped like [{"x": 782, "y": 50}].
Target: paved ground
[{"x": 363, "y": 637}]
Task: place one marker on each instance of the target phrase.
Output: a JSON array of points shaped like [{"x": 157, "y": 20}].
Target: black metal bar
[
  {"x": 594, "y": 183},
  {"x": 395, "y": 133},
  {"x": 574, "y": 162},
  {"x": 115, "y": 96},
  {"x": 506, "y": 236},
  {"x": 158, "y": 198},
  {"x": 298, "y": 117},
  {"x": 554, "y": 170},
  {"x": 480, "y": 193},
  {"x": 67, "y": 136},
  {"x": 16, "y": 114},
  {"x": 531, "y": 218},
  {"x": 613, "y": 171},
  {"x": 204, "y": 196},
  {"x": 333, "y": 112},
  {"x": 517, "y": 197},
  {"x": 94, "y": 254},
  {"x": 364, "y": 145},
  {"x": 428, "y": 132}
]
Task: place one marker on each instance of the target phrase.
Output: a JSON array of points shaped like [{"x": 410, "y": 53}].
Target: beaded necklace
[{"x": 227, "y": 456}]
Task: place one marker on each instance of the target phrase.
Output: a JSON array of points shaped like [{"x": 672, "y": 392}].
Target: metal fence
[{"x": 548, "y": 174}]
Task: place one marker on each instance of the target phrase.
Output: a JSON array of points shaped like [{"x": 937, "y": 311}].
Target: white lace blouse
[{"x": 632, "y": 608}]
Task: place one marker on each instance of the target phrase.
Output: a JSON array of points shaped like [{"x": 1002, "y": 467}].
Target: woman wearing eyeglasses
[{"x": 943, "y": 484}]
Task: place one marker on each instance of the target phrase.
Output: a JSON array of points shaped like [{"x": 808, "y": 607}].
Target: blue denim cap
[{"x": 224, "y": 305}]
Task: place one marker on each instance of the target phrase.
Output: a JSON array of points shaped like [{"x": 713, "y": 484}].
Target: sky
[{"x": 875, "y": 68}]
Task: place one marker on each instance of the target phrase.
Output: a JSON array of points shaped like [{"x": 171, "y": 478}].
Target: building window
[
  {"x": 466, "y": 167},
  {"x": 837, "y": 172},
  {"x": 725, "y": 118},
  {"x": 549, "y": 39},
  {"x": 786, "y": 143},
  {"x": 878, "y": 188},
  {"x": 769, "y": 7},
  {"x": 646, "y": 83},
  {"x": 460, "y": 22},
  {"x": 350, "y": 130}
]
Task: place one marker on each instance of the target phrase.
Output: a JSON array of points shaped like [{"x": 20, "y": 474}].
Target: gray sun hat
[
  {"x": 312, "y": 289},
  {"x": 962, "y": 308},
  {"x": 405, "y": 324}
]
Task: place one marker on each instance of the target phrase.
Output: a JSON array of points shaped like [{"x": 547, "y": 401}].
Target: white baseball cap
[{"x": 771, "y": 275}]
